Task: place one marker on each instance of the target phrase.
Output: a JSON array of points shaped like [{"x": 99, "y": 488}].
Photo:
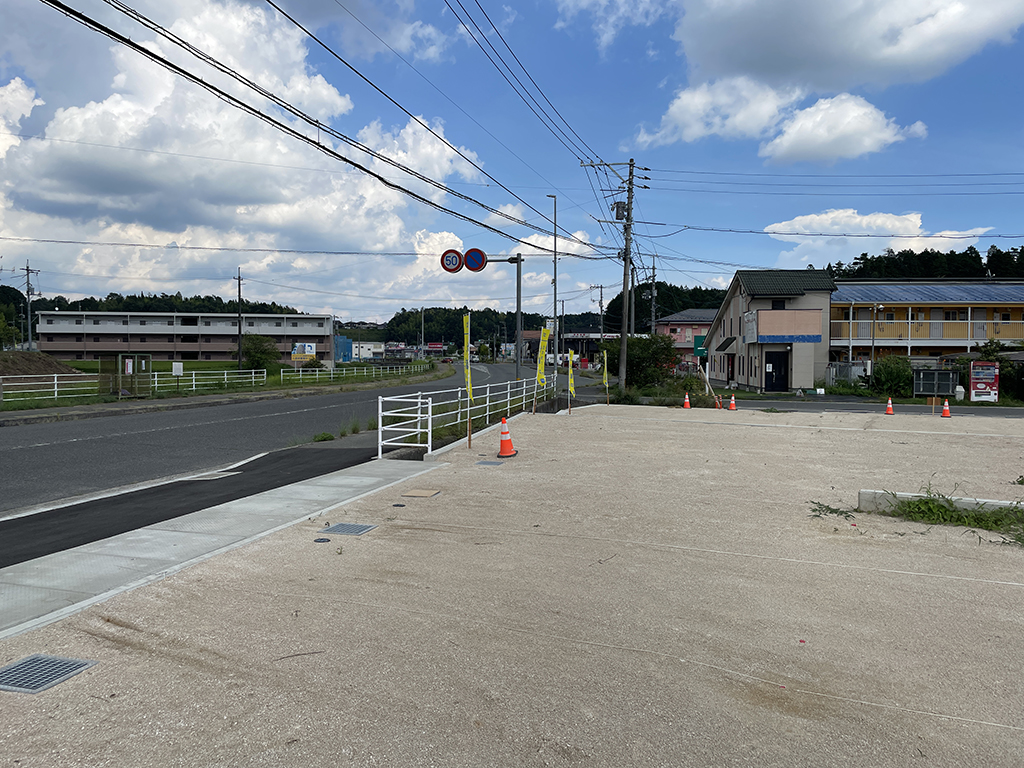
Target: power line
[
  {"x": 882, "y": 235},
  {"x": 288, "y": 130},
  {"x": 839, "y": 175}
]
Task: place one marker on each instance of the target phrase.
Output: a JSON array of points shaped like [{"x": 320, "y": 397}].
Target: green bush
[
  {"x": 322, "y": 437},
  {"x": 650, "y": 360},
  {"x": 893, "y": 377}
]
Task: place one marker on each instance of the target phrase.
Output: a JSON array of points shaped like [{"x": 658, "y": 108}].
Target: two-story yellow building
[{"x": 922, "y": 319}]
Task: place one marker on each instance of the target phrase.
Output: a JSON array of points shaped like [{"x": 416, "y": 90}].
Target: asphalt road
[{"x": 42, "y": 464}]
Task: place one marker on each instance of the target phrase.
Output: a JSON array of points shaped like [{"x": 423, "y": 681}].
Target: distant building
[
  {"x": 686, "y": 328},
  {"x": 176, "y": 335},
  {"x": 772, "y": 331}
]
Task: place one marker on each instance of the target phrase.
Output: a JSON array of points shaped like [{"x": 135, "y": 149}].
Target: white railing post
[
  {"x": 430, "y": 424},
  {"x": 380, "y": 426},
  {"x": 55, "y": 386}
]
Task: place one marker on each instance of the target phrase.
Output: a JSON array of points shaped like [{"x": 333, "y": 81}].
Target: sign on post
[
  {"x": 475, "y": 260},
  {"x": 451, "y": 261}
]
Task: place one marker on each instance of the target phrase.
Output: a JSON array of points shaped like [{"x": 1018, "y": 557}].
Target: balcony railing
[{"x": 926, "y": 331}]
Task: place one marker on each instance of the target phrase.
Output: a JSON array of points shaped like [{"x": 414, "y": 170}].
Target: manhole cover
[
  {"x": 38, "y": 672},
  {"x": 321, "y": 540},
  {"x": 490, "y": 463},
  {"x": 349, "y": 529}
]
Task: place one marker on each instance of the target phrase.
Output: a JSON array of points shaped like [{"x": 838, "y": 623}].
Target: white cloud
[
  {"x": 510, "y": 209},
  {"x": 833, "y": 129},
  {"x": 17, "y": 100},
  {"x": 735, "y": 108},
  {"x": 611, "y": 16},
  {"x": 832, "y": 246},
  {"x": 836, "y": 45}
]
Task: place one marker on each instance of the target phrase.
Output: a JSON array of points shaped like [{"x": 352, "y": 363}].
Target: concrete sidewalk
[{"x": 640, "y": 586}]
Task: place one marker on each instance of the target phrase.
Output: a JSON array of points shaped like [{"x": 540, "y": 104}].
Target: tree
[
  {"x": 893, "y": 377},
  {"x": 650, "y": 360},
  {"x": 259, "y": 351}
]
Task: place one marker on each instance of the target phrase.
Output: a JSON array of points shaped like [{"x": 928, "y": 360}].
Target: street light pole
[{"x": 874, "y": 321}]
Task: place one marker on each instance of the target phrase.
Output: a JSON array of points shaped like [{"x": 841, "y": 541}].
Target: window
[
  {"x": 277, "y": 324},
  {"x": 49, "y": 338},
  {"x": 170, "y": 355},
  {"x": 955, "y": 314},
  {"x": 1004, "y": 316},
  {"x": 778, "y": 303},
  {"x": 846, "y": 314},
  {"x": 673, "y": 331},
  {"x": 49, "y": 321},
  {"x": 320, "y": 325},
  {"x": 890, "y": 316},
  {"x": 250, "y": 323},
  {"x": 124, "y": 322},
  {"x": 142, "y": 339},
  {"x": 124, "y": 339},
  {"x": 234, "y": 323},
  {"x": 190, "y": 340},
  {"x": 206, "y": 323},
  {"x": 78, "y": 338},
  {"x": 79, "y": 356},
  {"x": 95, "y": 338},
  {"x": 206, "y": 356},
  {"x": 170, "y": 339},
  {"x": 142, "y": 322},
  {"x": 95, "y": 355},
  {"x": 295, "y": 325},
  {"x": 170, "y": 322},
  {"x": 190, "y": 321},
  {"x": 78, "y": 321},
  {"x": 95, "y": 322},
  {"x": 206, "y": 339}
]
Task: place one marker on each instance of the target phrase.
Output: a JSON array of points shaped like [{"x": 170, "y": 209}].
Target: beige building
[
  {"x": 771, "y": 333},
  {"x": 176, "y": 335}
]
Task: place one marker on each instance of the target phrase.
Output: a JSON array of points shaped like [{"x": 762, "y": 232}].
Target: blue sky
[{"x": 888, "y": 117}]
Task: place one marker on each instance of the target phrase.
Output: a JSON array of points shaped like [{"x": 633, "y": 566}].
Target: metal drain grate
[
  {"x": 349, "y": 529},
  {"x": 38, "y": 672},
  {"x": 490, "y": 463}
]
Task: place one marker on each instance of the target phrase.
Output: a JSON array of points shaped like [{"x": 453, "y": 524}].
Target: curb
[{"x": 885, "y": 501}]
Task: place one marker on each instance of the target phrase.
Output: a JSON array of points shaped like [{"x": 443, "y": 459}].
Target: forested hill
[
  {"x": 930, "y": 264},
  {"x": 164, "y": 302}
]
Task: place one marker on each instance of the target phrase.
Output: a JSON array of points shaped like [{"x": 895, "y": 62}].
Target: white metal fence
[
  {"x": 56, "y": 386},
  {"x": 49, "y": 386},
  {"x": 411, "y": 420},
  {"x": 316, "y": 375},
  {"x": 196, "y": 380}
]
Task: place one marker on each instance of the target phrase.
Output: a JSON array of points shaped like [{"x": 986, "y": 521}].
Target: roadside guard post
[
  {"x": 604, "y": 370},
  {"x": 469, "y": 381},
  {"x": 542, "y": 353},
  {"x": 572, "y": 386}
]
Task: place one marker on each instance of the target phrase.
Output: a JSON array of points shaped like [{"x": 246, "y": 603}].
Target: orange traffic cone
[
  {"x": 686, "y": 400},
  {"x": 888, "y": 409},
  {"x": 945, "y": 410},
  {"x": 506, "y": 451},
  {"x": 732, "y": 403}
]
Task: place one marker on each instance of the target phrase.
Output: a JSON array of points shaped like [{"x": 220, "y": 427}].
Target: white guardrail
[
  {"x": 55, "y": 386},
  {"x": 316, "y": 375},
  {"x": 410, "y": 420}
]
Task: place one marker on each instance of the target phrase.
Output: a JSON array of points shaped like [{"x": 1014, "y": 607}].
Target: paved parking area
[{"x": 640, "y": 586}]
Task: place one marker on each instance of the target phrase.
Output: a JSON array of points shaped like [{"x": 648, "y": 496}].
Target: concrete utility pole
[
  {"x": 627, "y": 232},
  {"x": 28, "y": 297},
  {"x": 654, "y": 297},
  {"x": 422, "y": 339},
  {"x": 627, "y": 263},
  {"x": 554, "y": 282},
  {"x": 239, "y": 279},
  {"x": 519, "y": 311}
]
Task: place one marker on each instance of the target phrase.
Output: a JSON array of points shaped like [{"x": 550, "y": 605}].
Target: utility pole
[
  {"x": 554, "y": 282},
  {"x": 422, "y": 338},
  {"x": 624, "y": 214},
  {"x": 654, "y": 296},
  {"x": 519, "y": 311},
  {"x": 239, "y": 279},
  {"x": 632, "y": 302},
  {"x": 28, "y": 295}
]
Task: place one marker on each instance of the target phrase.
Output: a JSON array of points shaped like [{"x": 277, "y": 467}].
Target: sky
[{"x": 394, "y": 130}]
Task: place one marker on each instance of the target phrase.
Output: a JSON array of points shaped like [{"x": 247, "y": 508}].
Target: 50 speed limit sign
[{"x": 452, "y": 260}]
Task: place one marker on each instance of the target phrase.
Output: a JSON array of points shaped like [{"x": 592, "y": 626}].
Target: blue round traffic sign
[
  {"x": 451, "y": 261},
  {"x": 475, "y": 259}
]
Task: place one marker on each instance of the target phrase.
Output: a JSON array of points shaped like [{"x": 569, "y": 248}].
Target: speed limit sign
[{"x": 452, "y": 261}]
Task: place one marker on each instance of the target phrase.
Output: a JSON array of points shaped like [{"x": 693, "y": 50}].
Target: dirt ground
[
  {"x": 638, "y": 587},
  {"x": 15, "y": 363}
]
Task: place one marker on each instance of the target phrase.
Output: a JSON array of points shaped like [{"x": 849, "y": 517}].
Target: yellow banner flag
[
  {"x": 542, "y": 354},
  {"x": 572, "y": 386},
  {"x": 465, "y": 356},
  {"x": 604, "y": 366}
]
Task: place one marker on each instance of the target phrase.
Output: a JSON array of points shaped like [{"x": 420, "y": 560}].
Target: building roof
[
  {"x": 966, "y": 292},
  {"x": 691, "y": 316},
  {"x": 784, "y": 282}
]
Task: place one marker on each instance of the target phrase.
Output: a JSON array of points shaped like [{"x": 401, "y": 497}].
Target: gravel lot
[{"x": 639, "y": 586}]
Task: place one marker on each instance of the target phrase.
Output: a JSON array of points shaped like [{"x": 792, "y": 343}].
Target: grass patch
[
  {"x": 322, "y": 437},
  {"x": 821, "y": 511},
  {"x": 371, "y": 425},
  {"x": 354, "y": 426}
]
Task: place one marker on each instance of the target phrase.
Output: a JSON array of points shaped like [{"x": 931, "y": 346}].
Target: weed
[
  {"x": 322, "y": 437},
  {"x": 820, "y": 510},
  {"x": 939, "y": 509},
  {"x": 1019, "y": 480},
  {"x": 354, "y": 427},
  {"x": 371, "y": 425},
  {"x": 343, "y": 432},
  {"x": 771, "y": 410}
]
